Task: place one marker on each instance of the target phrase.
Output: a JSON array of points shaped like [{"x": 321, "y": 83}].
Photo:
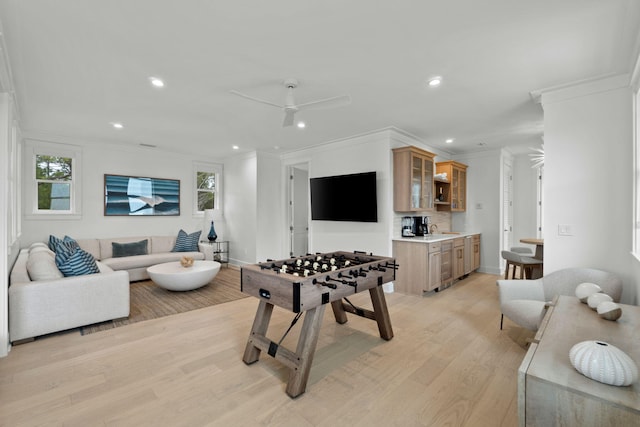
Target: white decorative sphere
[
  {"x": 609, "y": 310},
  {"x": 585, "y": 290},
  {"x": 604, "y": 363},
  {"x": 594, "y": 300}
]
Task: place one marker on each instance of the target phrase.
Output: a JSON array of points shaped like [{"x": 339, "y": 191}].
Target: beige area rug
[{"x": 149, "y": 301}]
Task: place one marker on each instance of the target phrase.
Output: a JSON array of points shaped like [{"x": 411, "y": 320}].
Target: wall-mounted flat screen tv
[{"x": 344, "y": 198}]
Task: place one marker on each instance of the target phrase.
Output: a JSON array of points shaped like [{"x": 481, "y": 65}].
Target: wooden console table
[{"x": 552, "y": 393}]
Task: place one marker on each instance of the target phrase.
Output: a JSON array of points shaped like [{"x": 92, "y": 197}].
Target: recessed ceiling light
[
  {"x": 435, "y": 81},
  {"x": 156, "y": 82},
  {"x": 235, "y": 147},
  {"x": 301, "y": 125},
  {"x": 117, "y": 125},
  {"x": 449, "y": 141}
]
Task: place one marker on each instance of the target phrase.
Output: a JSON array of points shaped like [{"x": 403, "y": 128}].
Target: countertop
[{"x": 429, "y": 238}]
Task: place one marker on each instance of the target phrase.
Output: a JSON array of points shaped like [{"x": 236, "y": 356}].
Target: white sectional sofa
[
  {"x": 54, "y": 303},
  {"x": 41, "y": 307},
  {"x": 159, "y": 251}
]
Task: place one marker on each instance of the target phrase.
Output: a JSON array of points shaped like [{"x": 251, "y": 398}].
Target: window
[
  {"x": 53, "y": 180},
  {"x": 54, "y": 174},
  {"x": 208, "y": 187}
]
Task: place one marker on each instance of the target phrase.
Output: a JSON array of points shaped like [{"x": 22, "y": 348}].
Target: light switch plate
[{"x": 565, "y": 230}]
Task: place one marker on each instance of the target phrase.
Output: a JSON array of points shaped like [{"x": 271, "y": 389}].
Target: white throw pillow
[{"x": 41, "y": 265}]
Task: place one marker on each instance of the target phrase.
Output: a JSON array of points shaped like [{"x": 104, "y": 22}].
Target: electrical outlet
[{"x": 565, "y": 230}]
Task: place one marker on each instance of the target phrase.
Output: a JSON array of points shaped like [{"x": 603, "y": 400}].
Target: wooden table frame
[{"x": 299, "y": 362}]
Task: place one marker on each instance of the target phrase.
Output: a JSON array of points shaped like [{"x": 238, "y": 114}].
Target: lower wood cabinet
[
  {"x": 425, "y": 266},
  {"x": 435, "y": 268},
  {"x": 446, "y": 264},
  {"x": 458, "y": 257}
]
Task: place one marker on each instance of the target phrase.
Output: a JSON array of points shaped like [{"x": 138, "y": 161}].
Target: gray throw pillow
[{"x": 129, "y": 249}]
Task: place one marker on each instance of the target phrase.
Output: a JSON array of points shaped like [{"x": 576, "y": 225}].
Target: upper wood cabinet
[
  {"x": 412, "y": 179},
  {"x": 455, "y": 190}
]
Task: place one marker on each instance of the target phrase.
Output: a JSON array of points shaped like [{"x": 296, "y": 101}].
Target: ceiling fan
[{"x": 290, "y": 107}]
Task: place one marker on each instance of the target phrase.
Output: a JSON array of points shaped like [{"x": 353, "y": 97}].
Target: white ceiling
[{"x": 78, "y": 65}]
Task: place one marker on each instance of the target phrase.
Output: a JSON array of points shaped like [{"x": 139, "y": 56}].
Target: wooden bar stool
[{"x": 526, "y": 264}]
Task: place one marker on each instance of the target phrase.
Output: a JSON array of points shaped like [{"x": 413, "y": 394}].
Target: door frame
[{"x": 290, "y": 205}]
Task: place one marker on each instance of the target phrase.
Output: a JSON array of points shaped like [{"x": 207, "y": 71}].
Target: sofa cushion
[
  {"x": 41, "y": 265},
  {"x": 187, "y": 242},
  {"x": 129, "y": 249},
  {"x": 143, "y": 261},
  {"x": 161, "y": 244},
  {"x": 106, "y": 250},
  {"x": 63, "y": 248},
  {"x": 78, "y": 263}
]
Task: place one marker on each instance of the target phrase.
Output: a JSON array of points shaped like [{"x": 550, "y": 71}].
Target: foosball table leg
[
  {"x": 338, "y": 312},
  {"x": 299, "y": 374},
  {"x": 381, "y": 312},
  {"x": 259, "y": 328}
]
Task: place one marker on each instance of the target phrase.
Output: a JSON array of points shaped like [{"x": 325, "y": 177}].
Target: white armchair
[{"x": 524, "y": 301}]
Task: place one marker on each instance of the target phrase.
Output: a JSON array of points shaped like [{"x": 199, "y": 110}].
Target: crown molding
[{"x": 580, "y": 88}]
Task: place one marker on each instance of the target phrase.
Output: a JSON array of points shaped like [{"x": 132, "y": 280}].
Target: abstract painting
[{"x": 135, "y": 195}]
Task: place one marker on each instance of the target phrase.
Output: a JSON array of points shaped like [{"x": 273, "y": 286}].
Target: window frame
[
  {"x": 35, "y": 148},
  {"x": 214, "y": 168}
]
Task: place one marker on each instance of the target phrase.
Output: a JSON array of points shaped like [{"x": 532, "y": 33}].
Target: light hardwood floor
[{"x": 448, "y": 365}]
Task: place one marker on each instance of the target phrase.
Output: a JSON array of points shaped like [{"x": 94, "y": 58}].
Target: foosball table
[{"x": 306, "y": 284}]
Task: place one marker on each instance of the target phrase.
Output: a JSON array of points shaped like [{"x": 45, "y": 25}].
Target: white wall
[
  {"x": 270, "y": 235},
  {"x": 100, "y": 159},
  {"x": 484, "y": 174},
  {"x": 240, "y": 208},
  {"x": 371, "y": 152},
  {"x": 5, "y": 260},
  {"x": 588, "y": 178}
]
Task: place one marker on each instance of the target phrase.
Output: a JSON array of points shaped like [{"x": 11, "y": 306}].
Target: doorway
[
  {"x": 507, "y": 205},
  {"x": 298, "y": 209}
]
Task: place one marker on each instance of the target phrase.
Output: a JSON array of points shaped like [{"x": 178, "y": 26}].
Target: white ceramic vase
[
  {"x": 594, "y": 300},
  {"x": 609, "y": 310},
  {"x": 585, "y": 290},
  {"x": 604, "y": 363}
]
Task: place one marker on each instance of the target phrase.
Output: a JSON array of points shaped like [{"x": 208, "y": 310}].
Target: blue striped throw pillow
[
  {"x": 186, "y": 242},
  {"x": 63, "y": 248},
  {"x": 78, "y": 263}
]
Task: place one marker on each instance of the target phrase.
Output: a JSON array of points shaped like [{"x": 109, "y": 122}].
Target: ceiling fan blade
[
  {"x": 262, "y": 101},
  {"x": 336, "y": 101},
  {"x": 288, "y": 117}
]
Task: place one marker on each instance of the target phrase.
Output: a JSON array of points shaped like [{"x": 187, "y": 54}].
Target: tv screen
[{"x": 344, "y": 198}]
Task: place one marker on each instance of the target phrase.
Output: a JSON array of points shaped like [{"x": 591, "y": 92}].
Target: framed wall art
[{"x": 143, "y": 196}]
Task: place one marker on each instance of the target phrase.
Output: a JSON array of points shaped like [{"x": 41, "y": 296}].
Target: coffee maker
[{"x": 420, "y": 226}]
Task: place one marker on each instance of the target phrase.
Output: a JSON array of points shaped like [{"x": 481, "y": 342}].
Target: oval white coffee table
[{"x": 174, "y": 277}]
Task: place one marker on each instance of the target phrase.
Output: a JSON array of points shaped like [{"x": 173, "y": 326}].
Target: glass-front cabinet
[
  {"x": 456, "y": 199},
  {"x": 413, "y": 179}
]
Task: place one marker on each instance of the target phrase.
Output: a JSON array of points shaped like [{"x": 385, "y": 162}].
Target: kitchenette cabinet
[
  {"x": 446, "y": 265},
  {"x": 475, "y": 243},
  {"x": 455, "y": 190},
  {"x": 433, "y": 263},
  {"x": 412, "y": 179},
  {"x": 435, "y": 267},
  {"x": 458, "y": 257}
]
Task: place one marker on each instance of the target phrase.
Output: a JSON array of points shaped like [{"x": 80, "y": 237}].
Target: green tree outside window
[
  {"x": 206, "y": 190},
  {"x": 54, "y": 177}
]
